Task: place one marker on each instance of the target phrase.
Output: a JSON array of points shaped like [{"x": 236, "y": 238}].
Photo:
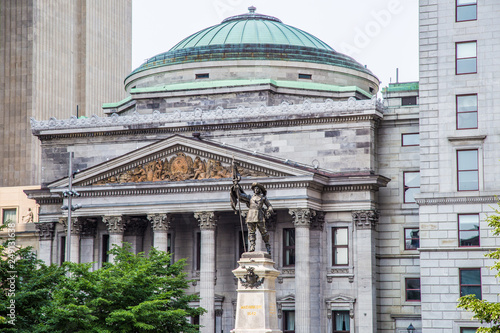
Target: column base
[{"x": 256, "y": 304}]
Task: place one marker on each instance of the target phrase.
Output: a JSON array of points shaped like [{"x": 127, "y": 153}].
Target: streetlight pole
[{"x": 69, "y": 193}]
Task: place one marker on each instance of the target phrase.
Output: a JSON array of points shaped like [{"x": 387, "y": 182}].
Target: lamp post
[
  {"x": 411, "y": 329},
  {"x": 69, "y": 193}
]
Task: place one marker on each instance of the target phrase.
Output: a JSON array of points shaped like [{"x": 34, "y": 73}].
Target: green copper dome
[{"x": 251, "y": 36}]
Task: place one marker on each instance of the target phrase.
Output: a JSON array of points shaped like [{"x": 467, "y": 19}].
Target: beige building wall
[{"x": 55, "y": 55}]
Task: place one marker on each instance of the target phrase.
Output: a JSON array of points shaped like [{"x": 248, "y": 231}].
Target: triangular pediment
[{"x": 178, "y": 159}]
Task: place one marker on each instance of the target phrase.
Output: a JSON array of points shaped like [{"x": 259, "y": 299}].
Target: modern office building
[{"x": 57, "y": 59}]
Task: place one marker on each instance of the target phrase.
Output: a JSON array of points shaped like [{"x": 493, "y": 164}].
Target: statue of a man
[{"x": 259, "y": 209}]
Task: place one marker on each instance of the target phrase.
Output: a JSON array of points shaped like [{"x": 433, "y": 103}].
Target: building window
[
  {"x": 410, "y": 139},
  {"x": 411, "y": 185},
  {"x": 9, "y": 215},
  {"x": 288, "y": 247},
  {"x": 340, "y": 250},
  {"x": 202, "y": 76},
  {"x": 288, "y": 321},
  {"x": 466, "y": 10},
  {"x": 466, "y": 58},
  {"x": 105, "y": 248},
  {"x": 467, "y": 111},
  {"x": 198, "y": 251},
  {"x": 341, "y": 321},
  {"x": 409, "y": 100},
  {"x": 468, "y": 170},
  {"x": 468, "y": 229},
  {"x": 62, "y": 250},
  {"x": 470, "y": 282},
  {"x": 305, "y": 76},
  {"x": 468, "y": 329},
  {"x": 412, "y": 289},
  {"x": 412, "y": 238}
]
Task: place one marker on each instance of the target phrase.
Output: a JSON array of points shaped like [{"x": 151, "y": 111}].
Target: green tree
[
  {"x": 137, "y": 293},
  {"x": 484, "y": 311}
]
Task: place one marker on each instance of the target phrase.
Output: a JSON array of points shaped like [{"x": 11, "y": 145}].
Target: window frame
[
  {"x": 458, "y": 112},
  {"x": 457, "y": 6},
  {"x": 478, "y": 230},
  {"x": 405, "y": 239},
  {"x": 105, "y": 247},
  {"x": 405, "y": 187},
  {"x": 470, "y": 285},
  {"x": 405, "y": 134},
  {"x": 200, "y": 76},
  {"x": 286, "y": 248},
  {"x": 333, "y": 321},
  {"x": 305, "y": 76},
  {"x": 457, "y": 58},
  {"x": 407, "y": 289},
  {"x": 284, "y": 318},
  {"x": 344, "y": 246},
  {"x": 197, "y": 249},
  {"x": 7, "y": 208},
  {"x": 62, "y": 249},
  {"x": 467, "y": 328},
  {"x": 467, "y": 170},
  {"x": 409, "y": 98}
]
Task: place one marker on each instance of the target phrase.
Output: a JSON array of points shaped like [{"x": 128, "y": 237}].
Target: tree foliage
[
  {"x": 137, "y": 293},
  {"x": 484, "y": 311}
]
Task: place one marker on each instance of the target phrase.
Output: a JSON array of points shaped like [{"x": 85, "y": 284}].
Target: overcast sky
[{"x": 382, "y": 34}]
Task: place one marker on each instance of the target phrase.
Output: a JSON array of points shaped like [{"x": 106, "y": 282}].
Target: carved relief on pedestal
[
  {"x": 302, "y": 217},
  {"x": 160, "y": 222},
  {"x": 180, "y": 167},
  {"x": 115, "y": 224},
  {"x": 45, "y": 230},
  {"x": 206, "y": 220},
  {"x": 365, "y": 219}
]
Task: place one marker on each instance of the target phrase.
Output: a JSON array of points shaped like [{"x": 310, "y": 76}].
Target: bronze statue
[{"x": 256, "y": 217}]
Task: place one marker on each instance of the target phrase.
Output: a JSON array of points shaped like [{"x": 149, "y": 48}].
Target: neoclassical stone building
[{"x": 342, "y": 170}]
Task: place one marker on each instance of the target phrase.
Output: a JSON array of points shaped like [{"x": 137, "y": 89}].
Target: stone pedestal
[{"x": 256, "y": 305}]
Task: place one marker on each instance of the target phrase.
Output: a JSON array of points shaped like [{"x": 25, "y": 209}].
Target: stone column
[
  {"x": 161, "y": 225},
  {"x": 75, "y": 238},
  {"x": 317, "y": 270},
  {"x": 207, "y": 222},
  {"x": 366, "y": 300},
  {"x": 45, "y": 231},
  {"x": 88, "y": 230},
  {"x": 116, "y": 228},
  {"x": 302, "y": 222}
]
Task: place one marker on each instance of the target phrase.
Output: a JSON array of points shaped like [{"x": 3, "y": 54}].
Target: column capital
[
  {"x": 45, "y": 230},
  {"x": 114, "y": 223},
  {"x": 206, "y": 220},
  {"x": 88, "y": 226},
  {"x": 134, "y": 226},
  {"x": 75, "y": 225},
  {"x": 365, "y": 219},
  {"x": 318, "y": 221},
  {"x": 160, "y": 222},
  {"x": 302, "y": 217}
]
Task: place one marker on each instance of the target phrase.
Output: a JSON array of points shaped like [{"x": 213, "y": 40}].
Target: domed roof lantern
[{"x": 251, "y": 9}]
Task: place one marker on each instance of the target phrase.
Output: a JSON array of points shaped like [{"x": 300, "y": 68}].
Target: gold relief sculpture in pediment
[{"x": 180, "y": 167}]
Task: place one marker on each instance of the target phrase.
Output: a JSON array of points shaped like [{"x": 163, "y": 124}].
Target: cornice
[
  {"x": 456, "y": 200},
  {"x": 239, "y": 118}
]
